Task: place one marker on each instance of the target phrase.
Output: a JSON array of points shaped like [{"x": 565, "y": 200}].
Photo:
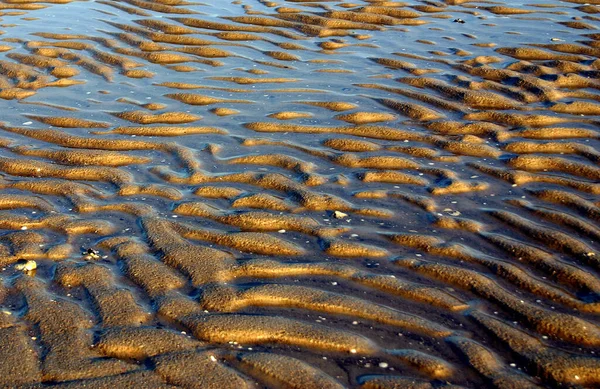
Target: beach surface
[{"x": 299, "y": 194}]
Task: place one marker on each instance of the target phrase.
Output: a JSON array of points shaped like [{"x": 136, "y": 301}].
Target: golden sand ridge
[{"x": 299, "y": 194}]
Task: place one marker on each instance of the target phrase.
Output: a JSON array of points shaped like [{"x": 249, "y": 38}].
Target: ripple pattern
[{"x": 299, "y": 194}]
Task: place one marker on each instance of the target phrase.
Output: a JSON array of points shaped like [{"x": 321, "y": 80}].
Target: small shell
[{"x": 339, "y": 215}]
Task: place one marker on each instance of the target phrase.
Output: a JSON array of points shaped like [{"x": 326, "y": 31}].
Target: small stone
[
  {"x": 383, "y": 365},
  {"x": 26, "y": 266},
  {"x": 459, "y": 21}
]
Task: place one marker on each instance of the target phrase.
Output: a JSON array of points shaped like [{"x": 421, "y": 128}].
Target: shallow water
[{"x": 299, "y": 194}]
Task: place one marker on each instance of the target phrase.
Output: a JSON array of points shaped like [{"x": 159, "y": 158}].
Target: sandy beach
[{"x": 299, "y": 194}]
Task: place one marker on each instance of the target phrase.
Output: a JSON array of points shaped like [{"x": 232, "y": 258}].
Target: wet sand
[{"x": 299, "y": 194}]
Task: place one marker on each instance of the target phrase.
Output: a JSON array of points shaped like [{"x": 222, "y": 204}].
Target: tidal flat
[{"x": 299, "y": 194}]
